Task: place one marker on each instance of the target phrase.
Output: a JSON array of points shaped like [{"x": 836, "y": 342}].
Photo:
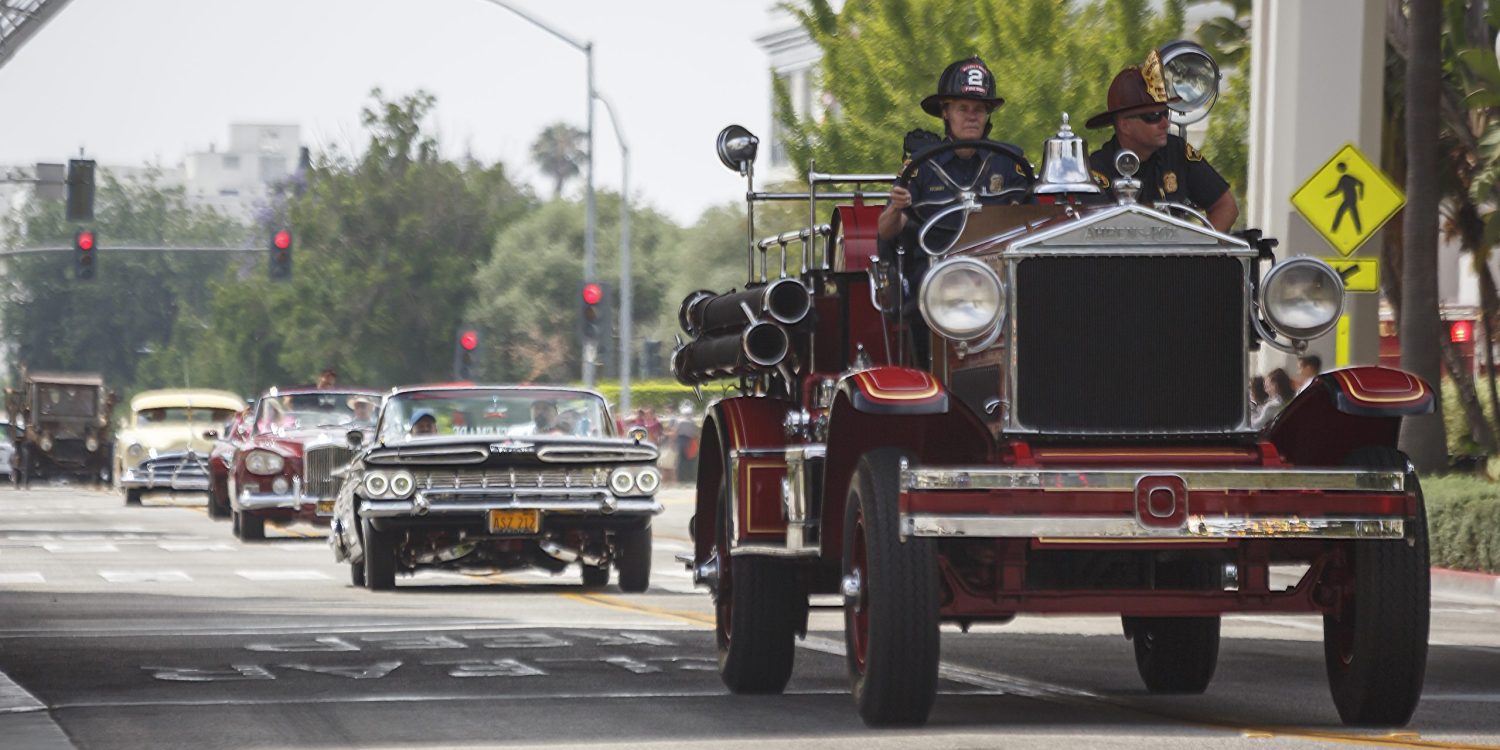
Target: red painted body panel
[
  {"x": 738, "y": 424},
  {"x": 858, "y": 223},
  {"x": 1344, "y": 410}
]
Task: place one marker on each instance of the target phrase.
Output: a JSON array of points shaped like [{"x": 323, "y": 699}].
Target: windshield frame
[{"x": 591, "y": 411}]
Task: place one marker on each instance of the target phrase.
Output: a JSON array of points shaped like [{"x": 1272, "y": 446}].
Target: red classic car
[
  {"x": 234, "y": 432},
  {"x": 281, "y": 458}
]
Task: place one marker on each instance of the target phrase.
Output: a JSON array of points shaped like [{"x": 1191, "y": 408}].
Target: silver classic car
[{"x": 497, "y": 477}]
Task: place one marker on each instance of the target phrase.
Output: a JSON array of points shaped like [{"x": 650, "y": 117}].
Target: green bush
[
  {"x": 1460, "y": 442},
  {"x": 661, "y": 395},
  {"x": 1463, "y": 522}
]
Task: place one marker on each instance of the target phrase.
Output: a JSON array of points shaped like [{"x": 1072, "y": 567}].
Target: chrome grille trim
[
  {"x": 521, "y": 478},
  {"x": 318, "y": 465},
  {"x": 432, "y": 455},
  {"x": 595, "y": 454}
]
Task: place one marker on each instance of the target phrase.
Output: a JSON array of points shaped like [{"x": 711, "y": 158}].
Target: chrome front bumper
[
  {"x": 294, "y": 500},
  {"x": 1153, "y": 516},
  {"x": 469, "y": 502},
  {"x": 180, "y": 472}
]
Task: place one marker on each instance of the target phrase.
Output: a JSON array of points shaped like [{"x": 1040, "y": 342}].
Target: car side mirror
[
  {"x": 356, "y": 438},
  {"x": 638, "y": 433},
  {"x": 210, "y": 434}
]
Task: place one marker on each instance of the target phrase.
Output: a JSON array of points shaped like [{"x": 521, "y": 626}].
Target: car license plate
[
  {"x": 325, "y": 507},
  {"x": 515, "y": 522}
]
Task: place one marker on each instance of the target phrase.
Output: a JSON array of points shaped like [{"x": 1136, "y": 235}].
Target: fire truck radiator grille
[
  {"x": 1133, "y": 345},
  {"x": 318, "y": 465}
]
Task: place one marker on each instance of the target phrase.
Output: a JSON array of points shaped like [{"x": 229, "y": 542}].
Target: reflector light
[{"x": 1461, "y": 332}]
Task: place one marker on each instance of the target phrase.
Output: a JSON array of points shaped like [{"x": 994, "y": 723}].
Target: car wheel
[
  {"x": 1175, "y": 654},
  {"x": 357, "y": 573},
  {"x": 1375, "y": 647},
  {"x": 891, "y": 601},
  {"x": 218, "y": 501},
  {"x": 252, "y": 527},
  {"x": 633, "y": 558},
  {"x": 132, "y": 497},
  {"x": 380, "y": 557},
  {"x": 234, "y": 523},
  {"x": 595, "y": 576},
  {"x": 756, "y": 611}
]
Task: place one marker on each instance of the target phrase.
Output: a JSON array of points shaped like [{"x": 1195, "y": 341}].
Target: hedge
[
  {"x": 1463, "y": 522},
  {"x": 665, "y": 396}
]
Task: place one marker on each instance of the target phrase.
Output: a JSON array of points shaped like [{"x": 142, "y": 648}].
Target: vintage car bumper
[
  {"x": 294, "y": 500},
  {"x": 1151, "y": 504},
  {"x": 179, "y": 472},
  {"x": 472, "y": 502}
]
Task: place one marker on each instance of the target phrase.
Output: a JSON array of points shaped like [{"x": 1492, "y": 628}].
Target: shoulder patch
[
  {"x": 1192, "y": 153},
  {"x": 1100, "y": 178}
]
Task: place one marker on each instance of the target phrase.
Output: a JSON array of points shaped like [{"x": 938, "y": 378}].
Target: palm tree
[{"x": 558, "y": 152}]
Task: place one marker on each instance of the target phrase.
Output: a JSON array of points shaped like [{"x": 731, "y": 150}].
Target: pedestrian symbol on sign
[
  {"x": 1347, "y": 200},
  {"x": 1353, "y": 190}
]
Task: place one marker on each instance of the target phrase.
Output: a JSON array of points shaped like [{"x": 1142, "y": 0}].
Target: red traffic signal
[
  {"x": 468, "y": 340},
  {"x": 1461, "y": 331},
  {"x": 592, "y": 293},
  {"x": 85, "y": 240},
  {"x": 282, "y": 240}
]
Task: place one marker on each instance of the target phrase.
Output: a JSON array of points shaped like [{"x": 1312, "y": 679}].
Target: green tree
[
  {"x": 1227, "y": 38},
  {"x": 527, "y": 297},
  {"x": 559, "y": 152},
  {"x": 129, "y": 312},
  {"x": 880, "y": 58}
]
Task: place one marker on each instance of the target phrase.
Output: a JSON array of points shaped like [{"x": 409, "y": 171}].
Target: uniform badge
[
  {"x": 1169, "y": 182},
  {"x": 996, "y": 183},
  {"x": 1192, "y": 153},
  {"x": 1100, "y": 178}
]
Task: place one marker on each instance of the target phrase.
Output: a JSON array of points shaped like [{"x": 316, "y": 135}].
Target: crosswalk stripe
[
  {"x": 26, "y": 577},
  {"x": 77, "y": 548},
  {"x": 282, "y": 575},
  {"x": 145, "y": 576}
]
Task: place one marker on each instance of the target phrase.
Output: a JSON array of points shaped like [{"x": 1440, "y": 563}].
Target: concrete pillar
[{"x": 1317, "y": 82}]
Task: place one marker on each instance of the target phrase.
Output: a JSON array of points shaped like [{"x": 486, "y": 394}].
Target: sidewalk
[{"x": 1464, "y": 584}]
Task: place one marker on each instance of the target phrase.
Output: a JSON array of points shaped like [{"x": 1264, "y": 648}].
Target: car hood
[
  {"x": 495, "y": 450},
  {"x": 168, "y": 438}
]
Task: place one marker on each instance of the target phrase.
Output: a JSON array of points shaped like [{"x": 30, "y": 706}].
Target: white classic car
[{"x": 161, "y": 445}]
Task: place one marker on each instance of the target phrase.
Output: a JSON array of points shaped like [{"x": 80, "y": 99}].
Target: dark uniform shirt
[
  {"x": 1177, "y": 172},
  {"x": 1001, "y": 173}
]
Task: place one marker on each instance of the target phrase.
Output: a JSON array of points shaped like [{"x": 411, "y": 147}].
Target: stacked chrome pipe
[{"x": 739, "y": 332}]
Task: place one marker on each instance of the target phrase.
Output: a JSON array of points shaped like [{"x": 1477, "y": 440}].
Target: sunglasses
[{"x": 1151, "y": 118}]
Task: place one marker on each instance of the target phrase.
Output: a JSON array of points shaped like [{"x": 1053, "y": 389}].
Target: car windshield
[
  {"x": 66, "y": 400},
  {"x": 494, "y": 411},
  {"x": 180, "y": 415},
  {"x": 309, "y": 411}
]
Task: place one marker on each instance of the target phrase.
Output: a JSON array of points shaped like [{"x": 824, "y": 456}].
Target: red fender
[
  {"x": 895, "y": 390},
  {"x": 1347, "y": 409},
  {"x": 742, "y": 423}
]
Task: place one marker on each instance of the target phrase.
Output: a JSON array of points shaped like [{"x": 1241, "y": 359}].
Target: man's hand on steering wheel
[{"x": 958, "y": 197}]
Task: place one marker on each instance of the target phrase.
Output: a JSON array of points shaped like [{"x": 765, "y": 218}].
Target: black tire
[
  {"x": 218, "y": 504},
  {"x": 1175, "y": 654},
  {"x": 357, "y": 574},
  {"x": 132, "y": 497},
  {"x": 595, "y": 576},
  {"x": 234, "y": 523},
  {"x": 380, "y": 557},
  {"x": 757, "y": 609},
  {"x": 1376, "y": 648},
  {"x": 26, "y": 468},
  {"x": 891, "y": 633},
  {"x": 252, "y": 527},
  {"x": 633, "y": 559}
]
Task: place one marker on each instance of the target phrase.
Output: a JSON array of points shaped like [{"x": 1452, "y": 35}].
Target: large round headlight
[
  {"x": 962, "y": 299},
  {"x": 91, "y": 443},
  {"x": 1302, "y": 298},
  {"x": 135, "y": 451},
  {"x": 621, "y": 482},
  {"x": 45, "y": 443},
  {"x": 402, "y": 483},
  {"x": 263, "y": 462},
  {"x": 376, "y": 484},
  {"x": 1192, "y": 75},
  {"x": 648, "y": 480}
]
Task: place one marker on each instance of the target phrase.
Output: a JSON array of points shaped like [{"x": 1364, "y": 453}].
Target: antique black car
[
  {"x": 490, "y": 477},
  {"x": 61, "y": 427}
]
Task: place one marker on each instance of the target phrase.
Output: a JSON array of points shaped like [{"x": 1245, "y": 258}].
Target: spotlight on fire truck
[
  {"x": 1192, "y": 75},
  {"x": 962, "y": 299},
  {"x": 1302, "y": 298},
  {"x": 737, "y": 147}
]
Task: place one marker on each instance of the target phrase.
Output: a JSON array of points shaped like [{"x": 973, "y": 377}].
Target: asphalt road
[{"x": 153, "y": 627}]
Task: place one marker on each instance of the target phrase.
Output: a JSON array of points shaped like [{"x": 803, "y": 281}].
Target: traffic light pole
[{"x": 626, "y": 322}]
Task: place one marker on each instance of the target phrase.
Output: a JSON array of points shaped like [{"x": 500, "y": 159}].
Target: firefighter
[
  {"x": 964, "y": 100},
  {"x": 1171, "y": 169}
]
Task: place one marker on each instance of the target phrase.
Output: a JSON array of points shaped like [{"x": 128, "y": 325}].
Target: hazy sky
[{"x": 134, "y": 81}]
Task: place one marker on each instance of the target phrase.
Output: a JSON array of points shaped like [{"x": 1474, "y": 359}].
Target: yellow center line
[{"x": 614, "y": 602}]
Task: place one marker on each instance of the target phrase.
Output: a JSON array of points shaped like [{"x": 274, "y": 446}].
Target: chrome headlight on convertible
[
  {"x": 962, "y": 299},
  {"x": 402, "y": 483},
  {"x": 621, "y": 481},
  {"x": 648, "y": 480},
  {"x": 376, "y": 484},
  {"x": 1302, "y": 298},
  {"x": 264, "y": 462}
]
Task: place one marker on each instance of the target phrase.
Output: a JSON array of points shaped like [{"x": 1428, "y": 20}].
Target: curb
[{"x": 1466, "y": 583}]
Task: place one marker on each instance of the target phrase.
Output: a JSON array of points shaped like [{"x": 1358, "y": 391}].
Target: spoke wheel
[
  {"x": 1175, "y": 654},
  {"x": 757, "y": 606},
  {"x": 891, "y": 601},
  {"x": 1375, "y": 648}
]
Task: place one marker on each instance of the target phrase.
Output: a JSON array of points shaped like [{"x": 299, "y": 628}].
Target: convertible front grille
[
  {"x": 1130, "y": 344},
  {"x": 318, "y": 465},
  {"x": 507, "y": 479},
  {"x": 181, "y": 469}
]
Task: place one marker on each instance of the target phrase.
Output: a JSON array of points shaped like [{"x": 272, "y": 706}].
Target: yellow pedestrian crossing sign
[
  {"x": 1359, "y": 274},
  {"x": 1348, "y": 200}
]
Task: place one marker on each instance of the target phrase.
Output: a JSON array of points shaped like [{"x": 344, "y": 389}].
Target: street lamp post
[{"x": 587, "y": 48}]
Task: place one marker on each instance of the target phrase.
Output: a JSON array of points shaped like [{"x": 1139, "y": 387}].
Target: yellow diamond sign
[{"x": 1348, "y": 200}]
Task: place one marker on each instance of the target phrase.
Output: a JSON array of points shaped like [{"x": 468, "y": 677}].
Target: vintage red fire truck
[{"x": 1078, "y": 443}]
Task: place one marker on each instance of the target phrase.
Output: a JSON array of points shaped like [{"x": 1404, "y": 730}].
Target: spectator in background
[
  {"x": 328, "y": 378},
  {"x": 1308, "y": 368},
  {"x": 1279, "y": 387},
  {"x": 685, "y": 433},
  {"x": 653, "y": 426}
]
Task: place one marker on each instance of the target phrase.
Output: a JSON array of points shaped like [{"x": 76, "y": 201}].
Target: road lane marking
[
  {"x": 613, "y": 602},
  {"x": 196, "y": 546},
  {"x": 15, "y": 699},
  {"x": 72, "y": 548},
  {"x": 145, "y": 576},
  {"x": 22, "y": 577},
  {"x": 283, "y": 575},
  {"x": 331, "y": 628}
]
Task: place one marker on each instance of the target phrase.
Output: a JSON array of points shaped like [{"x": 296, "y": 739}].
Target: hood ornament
[
  {"x": 1127, "y": 163},
  {"x": 1065, "y": 164}
]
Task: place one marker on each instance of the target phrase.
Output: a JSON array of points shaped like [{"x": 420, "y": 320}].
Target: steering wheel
[{"x": 962, "y": 199}]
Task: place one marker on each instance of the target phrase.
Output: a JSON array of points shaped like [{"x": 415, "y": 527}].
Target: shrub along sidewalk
[{"x": 1463, "y": 522}]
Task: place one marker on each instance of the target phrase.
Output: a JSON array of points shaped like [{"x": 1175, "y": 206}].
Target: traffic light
[
  {"x": 593, "y": 315},
  {"x": 80, "y": 190},
  {"x": 281, "y": 254},
  {"x": 465, "y": 356},
  {"x": 85, "y": 247},
  {"x": 1461, "y": 331}
]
